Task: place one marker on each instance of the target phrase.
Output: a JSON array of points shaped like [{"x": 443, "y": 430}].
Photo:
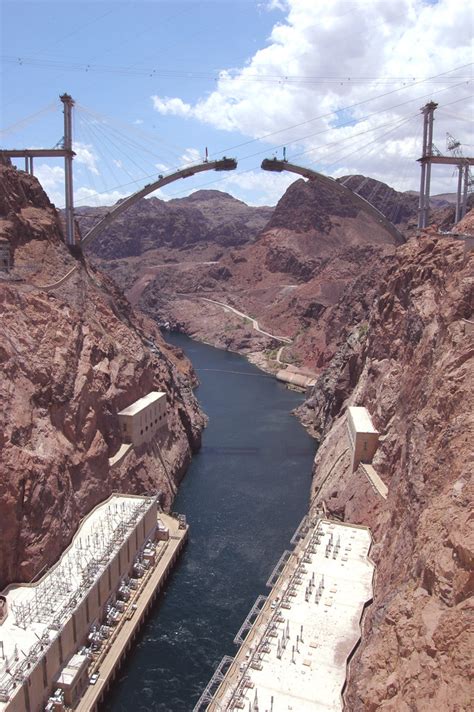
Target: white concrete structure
[
  {"x": 47, "y": 622},
  {"x": 363, "y": 437},
  {"x": 295, "y": 655},
  {"x": 142, "y": 420},
  {"x": 74, "y": 679}
]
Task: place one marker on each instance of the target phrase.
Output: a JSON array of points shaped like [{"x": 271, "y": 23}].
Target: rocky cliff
[
  {"x": 72, "y": 356},
  {"x": 206, "y": 216},
  {"x": 314, "y": 246},
  {"x": 411, "y": 365}
]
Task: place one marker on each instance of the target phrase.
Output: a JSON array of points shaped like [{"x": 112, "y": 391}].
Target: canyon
[
  {"x": 378, "y": 324},
  {"x": 72, "y": 357}
]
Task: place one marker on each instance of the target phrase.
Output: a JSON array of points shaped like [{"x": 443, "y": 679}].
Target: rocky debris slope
[
  {"x": 412, "y": 367},
  {"x": 71, "y": 358},
  {"x": 206, "y": 216}
]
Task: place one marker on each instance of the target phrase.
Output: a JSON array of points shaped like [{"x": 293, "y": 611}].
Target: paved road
[{"x": 255, "y": 324}]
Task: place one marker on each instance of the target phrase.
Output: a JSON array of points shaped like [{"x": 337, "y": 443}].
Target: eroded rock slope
[
  {"x": 71, "y": 357},
  {"x": 412, "y": 367}
]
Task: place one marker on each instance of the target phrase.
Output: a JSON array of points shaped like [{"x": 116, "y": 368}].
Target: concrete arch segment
[
  {"x": 278, "y": 166},
  {"x": 224, "y": 164}
]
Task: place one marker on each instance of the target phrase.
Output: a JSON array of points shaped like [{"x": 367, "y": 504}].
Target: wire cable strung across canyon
[
  {"x": 225, "y": 75},
  {"x": 100, "y": 133}
]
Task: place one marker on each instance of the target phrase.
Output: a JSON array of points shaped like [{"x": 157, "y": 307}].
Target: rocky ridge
[
  {"x": 313, "y": 248},
  {"x": 72, "y": 357},
  {"x": 206, "y": 216},
  {"x": 411, "y": 366}
]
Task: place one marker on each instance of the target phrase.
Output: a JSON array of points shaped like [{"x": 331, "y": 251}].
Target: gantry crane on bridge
[{"x": 429, "y": 156}]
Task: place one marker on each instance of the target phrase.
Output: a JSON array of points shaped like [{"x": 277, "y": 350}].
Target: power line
[
  {"x": 224, "y": 76},
  {"x": 349, "y": 107}
]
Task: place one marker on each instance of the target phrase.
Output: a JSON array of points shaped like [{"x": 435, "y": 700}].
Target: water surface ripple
[{"x": 244, "y": 494}]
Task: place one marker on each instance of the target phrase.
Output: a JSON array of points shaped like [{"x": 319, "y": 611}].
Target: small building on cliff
[
  {"x": 363, "y": 436},
  {"x": 141, "y": 421}
]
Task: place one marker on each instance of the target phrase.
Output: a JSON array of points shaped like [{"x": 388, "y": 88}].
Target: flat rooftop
[
  {"x": 37, "y": 612},
  {"x": 295, "y": 655},
  {"x": 142, "y": 403},
  {"x": 361, "y": 419}
]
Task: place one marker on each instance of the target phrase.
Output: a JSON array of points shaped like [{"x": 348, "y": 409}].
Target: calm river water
[{"x": 244, "y": 495}]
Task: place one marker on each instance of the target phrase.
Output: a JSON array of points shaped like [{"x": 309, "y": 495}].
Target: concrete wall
[
  {"x": 32, "y": 696},
  {"x": 363, "y": 440},
  {"x": 143, "y": 426}
]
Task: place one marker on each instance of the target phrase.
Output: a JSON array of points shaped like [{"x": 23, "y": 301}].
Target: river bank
[{"x": 244, "y": 494}]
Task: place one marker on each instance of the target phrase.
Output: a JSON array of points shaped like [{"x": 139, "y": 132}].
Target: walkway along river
[{"x": 244, "y": 495}]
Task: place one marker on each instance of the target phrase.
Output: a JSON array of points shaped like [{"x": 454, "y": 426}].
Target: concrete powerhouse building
[
  {"x": 142, "y": 420},
  {"x": 46, "y": 625},
  {"x": 364, "y": 438}
]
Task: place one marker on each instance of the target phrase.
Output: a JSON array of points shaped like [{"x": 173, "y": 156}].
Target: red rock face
[
  {"x": 313, "y": 248},
  {"x": 412, "y": 369},
  {"x": 71, "y": 358},
  {"x": 206, "y": 216}
]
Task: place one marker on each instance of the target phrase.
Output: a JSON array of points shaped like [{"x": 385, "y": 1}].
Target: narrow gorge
[{"x": 375, "y": 323}]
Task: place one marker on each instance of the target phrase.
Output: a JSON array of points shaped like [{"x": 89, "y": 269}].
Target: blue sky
[{"x": 340, "y": 84}]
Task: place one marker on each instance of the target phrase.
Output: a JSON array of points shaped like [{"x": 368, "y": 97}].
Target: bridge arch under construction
[{"x": 278, "y": 166}]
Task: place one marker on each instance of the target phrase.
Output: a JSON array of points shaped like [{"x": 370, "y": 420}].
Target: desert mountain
[{"x": 206, "y": 216}]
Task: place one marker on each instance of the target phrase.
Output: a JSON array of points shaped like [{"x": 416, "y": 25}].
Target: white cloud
[
  {"x": 191, "y": 155},
  {"x": 86, "y": 155},
  {"x": 276, "y": 5},
  {"x": 257, "y": 187},
  {"x": 52, "y": 181},
  {"x": 175, "y": 106},
  {"x": 162, "y": 166},
  {"x": 117, "y": 162},
  {"x": 327, "y": 56},
  {"x": 89, "y": 196},
  {"x": 138, "y": 122}
]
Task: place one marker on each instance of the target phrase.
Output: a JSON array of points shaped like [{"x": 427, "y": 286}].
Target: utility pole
[
  {"x": 425, "y": 160},
  {"x": 68, "y": 156}
]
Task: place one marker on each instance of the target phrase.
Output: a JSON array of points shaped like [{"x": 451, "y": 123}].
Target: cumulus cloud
[
  {"x": 89, "y": 196},
  {"x": 175, "y": 106},
  {"x": 52, "y": 181},
  {"x": 257, "y": 187},
  {"x": 332, "y": 70},
  {"x": 191, "y": 155},
  {"x": 86, "y": 155}
]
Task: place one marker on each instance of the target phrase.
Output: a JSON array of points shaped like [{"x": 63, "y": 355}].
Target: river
[{"x": 243, "y": 495}]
